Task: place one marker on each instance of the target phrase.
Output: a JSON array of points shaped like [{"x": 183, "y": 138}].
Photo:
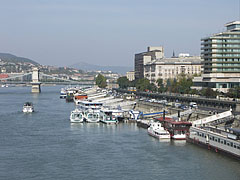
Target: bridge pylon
[{"x": 36, "y": 85}]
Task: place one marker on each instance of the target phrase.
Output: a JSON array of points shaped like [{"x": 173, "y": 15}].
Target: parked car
[{"x": 193, "y": 104}]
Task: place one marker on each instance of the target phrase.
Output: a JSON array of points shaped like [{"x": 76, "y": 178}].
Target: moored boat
[
  {"x": 177, "y": 129},
  {"x": 77, "y": 116},
  {"x": 92, "y": 116},
  {"x": 156, "y": 130},
  {"x": 107, "y": 117}
]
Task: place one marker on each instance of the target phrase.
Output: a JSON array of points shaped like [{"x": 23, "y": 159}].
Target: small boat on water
[
  {"x": 28, "y": 107},
  {"x": 156, "y": 130},
  {"x": 63, "y": 94}
]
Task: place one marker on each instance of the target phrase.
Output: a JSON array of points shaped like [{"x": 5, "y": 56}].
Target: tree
[
  {"x": 233, "y": 92},
  {"x": 101, "y": 81},
  {"x": 208, "y": 92},
  {"x": 161, "y": 87},
  {"x": 123, "y": 82},
  {"x": 184, "y": 84},
  {"x": 143, "y": 84}
]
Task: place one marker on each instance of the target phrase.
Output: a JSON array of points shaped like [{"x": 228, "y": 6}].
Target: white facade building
[
  {"x": 170, "y": 68},
  {"x": 131, "y": 75}
]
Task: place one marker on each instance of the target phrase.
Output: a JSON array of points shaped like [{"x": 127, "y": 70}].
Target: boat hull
[
  {"x": 28, "y": 110},
  {"x": 212, "y": 148},
  {"x": 179, "y": 137},
  {"x": 151, "y": 133}
]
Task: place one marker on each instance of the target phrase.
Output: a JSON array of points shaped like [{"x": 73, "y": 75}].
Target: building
[
  {"x": 170, "y": 68},
  {"x": 221, "y": 55},
  {"x": 131, "y": 75},
  {"x": 142, "y": 58}
]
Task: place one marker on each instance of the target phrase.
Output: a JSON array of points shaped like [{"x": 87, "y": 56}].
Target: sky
[{"x": 108, "y": 32}]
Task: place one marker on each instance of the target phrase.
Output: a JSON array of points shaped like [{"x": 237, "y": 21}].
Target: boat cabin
[
  {"x": 177, "y": 129},
  {"x": 89, "y": 104}
]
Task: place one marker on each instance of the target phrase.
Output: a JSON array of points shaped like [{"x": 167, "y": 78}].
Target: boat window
[{"x": 224, "y": 141}]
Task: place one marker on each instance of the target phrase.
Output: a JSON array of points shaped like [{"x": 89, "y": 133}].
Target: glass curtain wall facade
[{"x": 221, "y": 54}]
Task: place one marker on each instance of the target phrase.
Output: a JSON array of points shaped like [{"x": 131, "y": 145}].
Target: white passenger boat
[
  {"x": 77, "y": 116},
  {"x": 63, "y": 94},
  {"x": 28, "y": 107},
  {"x": 218, "y": 140},
  {"x": 157, "y": 131},
  {"x": 107, "y": 117},
  {"x": 86, "y": 111},
  {"x": 92, "y": 116}
]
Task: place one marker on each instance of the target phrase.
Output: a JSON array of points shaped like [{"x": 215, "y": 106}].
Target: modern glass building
[{"x": 221, "y": 59}]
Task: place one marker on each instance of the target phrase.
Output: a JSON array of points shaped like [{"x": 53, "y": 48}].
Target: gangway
[
  {"x": 149, "y": 115},
  {"x": 212, "y": 118}
]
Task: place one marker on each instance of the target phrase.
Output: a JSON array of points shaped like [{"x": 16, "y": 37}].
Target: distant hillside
[
  {"x": 90, "y": 67},
  {"x": 15, "y": 59}
]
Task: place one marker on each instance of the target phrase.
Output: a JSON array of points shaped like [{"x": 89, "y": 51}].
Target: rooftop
[{"x": 178, "y": 60}]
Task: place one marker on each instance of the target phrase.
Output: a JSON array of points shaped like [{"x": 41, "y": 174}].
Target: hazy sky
[{"x": 108, "y": 32}]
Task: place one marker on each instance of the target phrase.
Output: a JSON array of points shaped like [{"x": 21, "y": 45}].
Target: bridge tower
[{"x": 36, "y": 85}]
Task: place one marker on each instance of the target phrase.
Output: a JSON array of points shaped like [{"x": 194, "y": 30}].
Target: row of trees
[{"x": 181, "y": 85}]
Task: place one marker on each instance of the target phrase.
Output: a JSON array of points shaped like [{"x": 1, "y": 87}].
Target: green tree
[
  {"x": 143, "y": 84},
  {"x": 233, "y": 92},
  {"x": 101, "y": 81},
  {"x": 123, "y": 82},
  {"x": 184, "y": 84},
  {"x": 208, "y": 92},
  {"x": 161, "y": 87},
  {"x": 152, "y": 87}
]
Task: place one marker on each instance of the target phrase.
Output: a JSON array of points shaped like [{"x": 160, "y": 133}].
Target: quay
[{"x": 182, "y": 98}]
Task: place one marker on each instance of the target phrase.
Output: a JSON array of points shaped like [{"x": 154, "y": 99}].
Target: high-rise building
[
  {"x": 221, "y": 55},
  {"x": 145, "y": 57}
]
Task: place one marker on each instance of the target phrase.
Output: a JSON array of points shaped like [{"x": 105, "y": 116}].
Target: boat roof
[
  {"x": 235, "y": 130},
  {"x": 90, "y": 102},
  {"x": 172, "y": 121},
  {"x": 28, "y": 103}
]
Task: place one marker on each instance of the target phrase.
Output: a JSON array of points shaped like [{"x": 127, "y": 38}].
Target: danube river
[{"x": 45, "y": 145}]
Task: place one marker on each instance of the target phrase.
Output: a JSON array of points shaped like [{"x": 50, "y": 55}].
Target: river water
[{"x": 45, "y": 145}]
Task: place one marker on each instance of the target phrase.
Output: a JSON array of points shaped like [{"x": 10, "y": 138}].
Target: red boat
[{"x": 177, "y": 129}]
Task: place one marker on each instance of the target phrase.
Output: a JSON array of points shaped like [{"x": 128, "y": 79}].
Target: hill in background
[
  {"x": 90, "y": 67},
  {"x": 15, "y": 59}
]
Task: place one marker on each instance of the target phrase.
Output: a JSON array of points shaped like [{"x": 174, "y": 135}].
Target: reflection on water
[{"x": 179, "y": 142}]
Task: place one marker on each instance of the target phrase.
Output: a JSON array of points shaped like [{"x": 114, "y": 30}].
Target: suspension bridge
[{"x": 36, "y": 78}]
